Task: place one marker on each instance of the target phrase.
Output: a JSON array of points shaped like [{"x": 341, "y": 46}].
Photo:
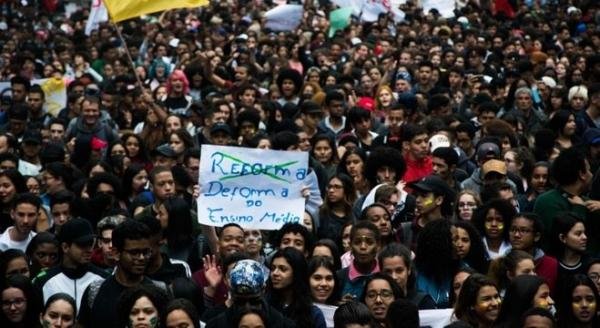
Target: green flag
[{"x": 339, "y": 19}]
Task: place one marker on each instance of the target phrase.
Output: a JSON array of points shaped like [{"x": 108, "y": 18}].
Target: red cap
[
  {"x": 98, "y": 144},
  {"x": 366, "y": 103}
]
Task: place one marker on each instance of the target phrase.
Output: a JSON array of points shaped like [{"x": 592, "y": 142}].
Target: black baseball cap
[{"x": 78, "y": 231}]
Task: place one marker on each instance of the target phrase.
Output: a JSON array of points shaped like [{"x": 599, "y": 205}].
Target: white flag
[
  {"x": 98, "y": 14},
  {"x": 284, "y": 17}
]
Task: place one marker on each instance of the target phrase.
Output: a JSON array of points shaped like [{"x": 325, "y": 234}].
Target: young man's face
[
  {"x": 294, "y": 240},
  {"x": 522, "y": 235},
  {"x": 427, "y": 202},
  {"x": 418, "y": 146},
  {"x": 134, "y": 257},
  {"x": 164, "y": 185},
  {"x": 364, "y": 246},
  {"x": 61, "y": 213},
  {"x": 231, "y": 241},
  {"x": 25, "y": 216},
  {"x": 105, "y": 243},
  {"x": 440, "y": 168}
]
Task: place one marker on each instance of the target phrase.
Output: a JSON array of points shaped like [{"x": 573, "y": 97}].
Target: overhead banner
[
  {"x": 255, "y": 188},
  {"x": 284, "y": 17}
]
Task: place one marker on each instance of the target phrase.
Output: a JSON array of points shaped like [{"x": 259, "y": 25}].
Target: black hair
[
  {"x": 353, "y": 313},
  {"x": 518, "y": 299},
  {"x": 41, "y": 238},
  {"x": 365, "y": 225},
  {"x": 333, "y": 96},
  {"x": 179, "y": 231},
  {"x": 62, "y": 197},
  {"x": 107, "y": 178},
  {"x": 410, "y": 131},
  {"x": 16, "y": 178},
  {"x": 295, "y": 228},
  {"x": 477, "y": 256},
  {"x": 183, "y": 288},
  {"x": 8, "y": 256},
  {"x": 186, "y": 306},
  {"x": 126, "y": 301},
  {"x": 34, "y": 301},
  {"x": 62, "y": 171},
  {"x": 37, "y": 89},
  {"x": 358, "y": 114},
  {"x": 283, "y": 140},
  {"x": 229, "y": 225},
  {"x": 467, "y": 299},
  {"x": 504, "y": 207},
  {"x": 566, "y": 317},
  {"x": 537, "y": 311},
  {"x": 384, "y": 156},
  {"x": 538, "y": 226},
  {"x": 561, "y": 225},
  {"x": 434, "y": 257},
  {"x": 467, "y": 128},
  {"x": 317, "y": 262},
  {"x": 447, "y": 154},
  {"x": 129, "y": 229},
  {"x": 402, "y": 313},
  {"x": 61, "y": 297},
  {"x": 130, "y": 172},
  {"x": 396, "y": 290},
  {"x": 27, "y": 198},
  {"x": 355, "y": 151},
  {"x": 567, "y": 167}
]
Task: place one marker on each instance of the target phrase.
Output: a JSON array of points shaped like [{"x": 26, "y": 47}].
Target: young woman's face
[
  {"x": 14, "y": 304},
  {"x": 364, "y": 246},
  {"x": 575, "y": 239},
  {"x": 253, "y": 241},
  {"x": 354, "y": 165},
  {"x": 45, "y": 255},
  {"x": 323, "y": 151},
  {"x": 494, "y": 225},
  {"x": 143, "y": 313},
  {"x": 251, "y": 320},
  {"x": 321, "y": 284},
  {"x": 140, "y": 181},
  {"x": 172, "y": 123},
  {"x": 396, "y": 268},
  {"x": 7, "y": 189},
  {"x": 335, "y": 190},
  {"x": 594, "y": 274},
  {"x": 59, "y": 314},
  {"x": 583, "y": 304},
  {"x": 385, "y": 97},
  {"x": 282, "y": 274},
  {"x": 307, "y": 221},
  {"x": 381, "y": 219},
  {"x": 542, "y": 297},
  {"x": 378, "y": 297},
  {"x": 177, "y": 144},
  {"x": 458, "y": 281},
  {"x": 487, "y": 306},
  {"x": 178, "y": 318},
  {"x": 461, "y": 241},
  {"x": 346, "y": 240},
  {"x": 525, "y": 267},
  {"x": 33, "y": 185},
  {"x": 466, "y": 206},
  {"x": 539, "y": 179}
]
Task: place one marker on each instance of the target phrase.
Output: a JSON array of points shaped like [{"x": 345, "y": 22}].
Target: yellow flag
[{"x": 125, "y": 9}]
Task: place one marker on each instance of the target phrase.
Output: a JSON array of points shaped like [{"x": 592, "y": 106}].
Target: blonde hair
[
  {"x": 578, "y": 90},
  {"x": 381, "y": 88}
]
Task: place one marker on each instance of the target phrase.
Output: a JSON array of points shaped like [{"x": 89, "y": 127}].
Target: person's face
[
  {"x": 18, "y": 92},
  {"x": 521, "y": 234},
  {"x": 322, "y": 250},
  {"x": 394, "y": 120},
  {"x": 570, "y": 127},
  {"x": 354, "y": 165},
  {"x": 396, "y": 268},
  {"x": 418, "y": 147},
  {"x": 576, "y": 238},
  {"x": 17, "y": 265},
  {"x": 143, "y": 313},
  {"x": 583, "y": 304},
  {"x": 440, "y": 168},
  {"x": 178, "y": 319},
  {"x": 321, "y": 284},
  {"x": 78, "y": 254},
  {"x": 231, "y": 241},
  {"x": 61, "y": 213},
  {"x": 288, "y": 87},
  {"x": 118, "y": 150},
  {"x": 455, "y": 80},
  {"x": 90, "y": 112},
  {"x": 105, "y": 243},
  {"x": 282, "y": 274},
  {"x": 35, "y": 101},
  {"x": 14, "y": 305},
  {"x": 134, "y": 257},
  {"x": 542, "y": 297},
  {"x": 177, "y": 144},
  {"x": 537, "y": 321},
  {"x": 294, "y": 240},
  {"x": 466, "y": 206},
  {"x": 524, "y": 267},
  {"x": 60, "y": 314},
  {"x": 402, "y": 85},
  {"x": 378, "y": 297},
  {"x": 405, "y": 59},
  {"x": 139, "y": 181},
  {"x": 46, "y": 255},
  {"x": 248, "y": 97},
  {"x": 464, "y": 141},
  {"x": 426, "y": 203},
  {"x": 461, "y": 241},
  {"x": 336, "y": 108},
  {"x": 323, "y": 151},
  {"x": 335, "y": 191},
  {"x": 487, "y": 306},
  {"x": 511, "y": 164},
  {"x": 523, "y": 101},
  {"x": 364, "y": 246},
  {"x": 494, "y": 224},
  {"x": 220, "y": 138},
  {"x": 457, "y": 282},
  {"x": 57, "y": 132},
  {"x": 386, "y": 174},
  {"x": 253, "y": 241},
  {"x": 7, "y": 189},
  {"x": 381, "y": 219},
  {"x": 251, "y": 320},
  {"x": 594, "y": 274},
  {"x": 385, "y": 97},
  {"x": 307, "y": 221},
  {"x": 193, "y": 167},
  {"x": 164, "y": 185},
  {"x": 346, "y": 240},
  {"x": 424, "y": 74},
  {"x": 172, "y": 123},
  {"x": 25, "y": 216}
]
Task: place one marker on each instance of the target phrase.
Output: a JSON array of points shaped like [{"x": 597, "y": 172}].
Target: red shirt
[{"x": 417, "y": 169}]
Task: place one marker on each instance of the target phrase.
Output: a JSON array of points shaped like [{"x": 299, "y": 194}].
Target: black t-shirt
[{"x": 103, "y": 312}]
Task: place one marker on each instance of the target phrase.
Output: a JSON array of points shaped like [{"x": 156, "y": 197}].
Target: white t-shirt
[{"x": 7, "y": 243}]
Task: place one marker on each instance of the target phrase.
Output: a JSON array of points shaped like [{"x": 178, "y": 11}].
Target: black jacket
[{"x": 274, "y": 318}]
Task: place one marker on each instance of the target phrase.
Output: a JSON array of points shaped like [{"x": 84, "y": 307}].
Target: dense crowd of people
[{"x": 456, "y": 158}]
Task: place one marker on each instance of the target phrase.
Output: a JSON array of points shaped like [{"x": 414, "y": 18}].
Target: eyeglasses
[
  {"x": 145, "y": 253},
  {"x": 521, "y": 231},
  {"x": 594, "y": 276},
  {"x": 385, "y": 294},
  {"x": 15, "y": 302}
]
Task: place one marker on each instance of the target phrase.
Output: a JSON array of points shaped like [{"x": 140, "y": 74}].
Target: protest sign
[
  {"x": 284, "y": 17},
  {"x": 255, "y": 188}
]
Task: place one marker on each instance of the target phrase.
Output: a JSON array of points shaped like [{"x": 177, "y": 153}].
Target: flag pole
[{"x": 124, "y": 43}]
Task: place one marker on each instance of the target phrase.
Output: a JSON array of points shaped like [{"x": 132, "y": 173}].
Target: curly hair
[
  {"x": 384, "y": 156},
  {"x": 467, "y": 299},
  {"x": 504, "y": 207},
  {"x": 477, "y": 257},
  {"x": 157, "y": 297},
  {"x": 435, "y": 254}
]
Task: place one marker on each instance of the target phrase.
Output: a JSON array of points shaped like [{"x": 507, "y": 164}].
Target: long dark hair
[
  {"x": 34, "y": 301},
  {"x": 300, "y": 308},
  {"x": 130, "y": 172},
  {"x": 566, "y": 318},
  {"x": 142, "y": 155},
  {"x": 467, "y": 299},
  {"x": 127, "y": 300},
  {"x": 503, "y": 207},
  {"x": 518, "y": 299},
  {"x": 324, "y": 262},
  {"x": 562, "y": 224},
  {"x": 349, "y": 195},
  {"x": 435, "y": 254},
  {"x": 335, "y": 160},
  {"x": 477, "y": 257},
  {"x": 179, "y": 230}
]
